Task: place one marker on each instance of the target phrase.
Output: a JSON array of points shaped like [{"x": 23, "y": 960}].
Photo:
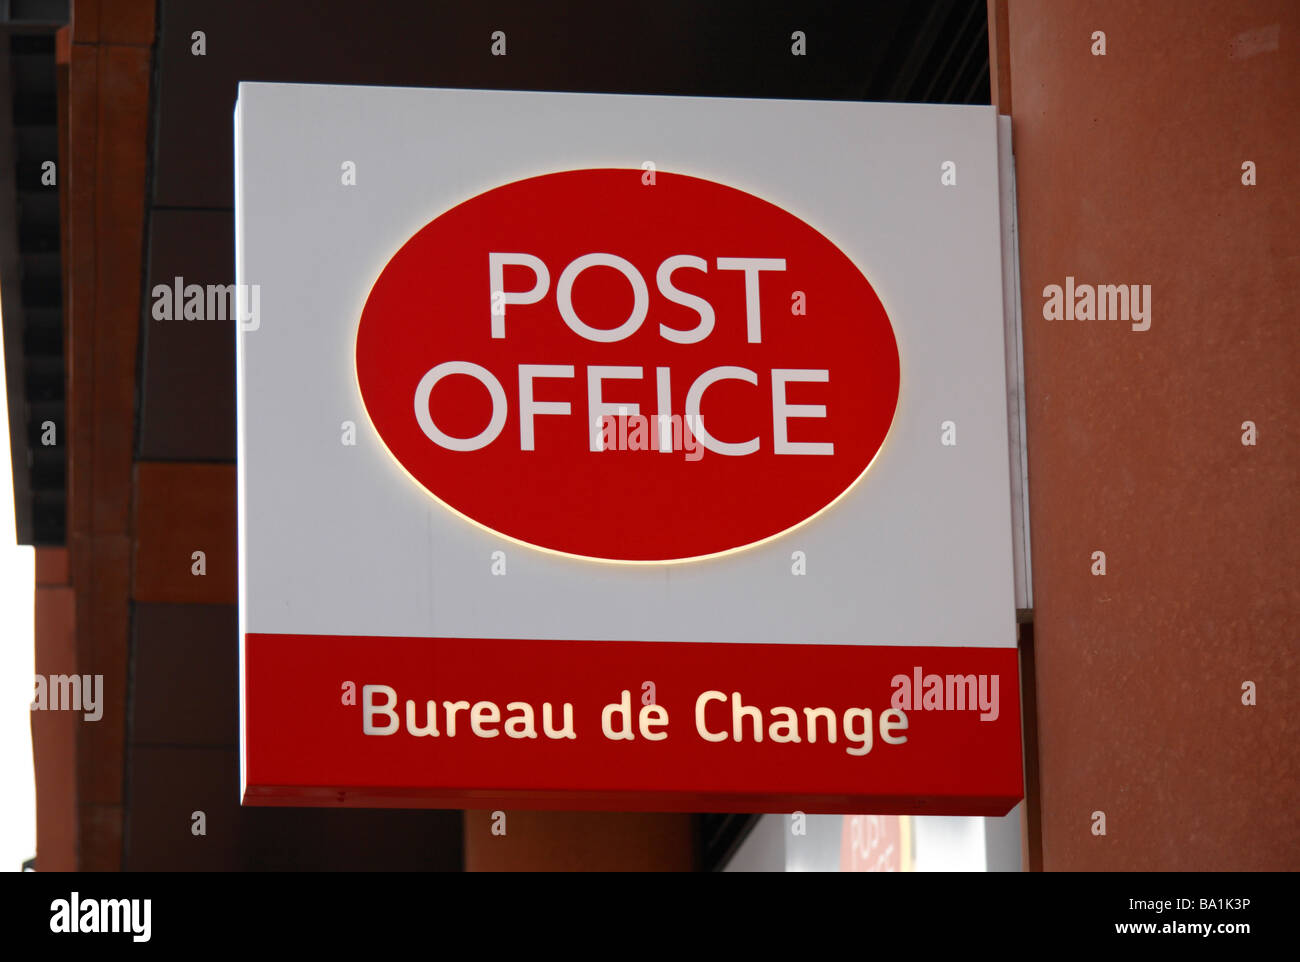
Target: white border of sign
[{"x": 920, "y": 553}]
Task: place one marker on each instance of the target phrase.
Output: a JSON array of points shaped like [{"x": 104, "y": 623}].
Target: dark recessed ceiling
[{"x": 30, "y": 270}]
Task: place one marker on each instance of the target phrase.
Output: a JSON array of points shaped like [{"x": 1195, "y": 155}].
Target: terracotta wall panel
[
  {"x": 113, "y": 21},
  {"x": 184, "y": 675},
  {"x": 126, "y": 21},
  {"x": 187, "y": 409},
  {"x": 107, "y": 101},
  {"x": 52, "y": 566},
  {"x": 54, "y": 733},
  {"x": 119, "y": 236},
  {"x": 85, "y": 21},
  {"x": 1129, "y": 171},
  {"x": 102, "y": 634},
  {"x": 183, "y": 508}
]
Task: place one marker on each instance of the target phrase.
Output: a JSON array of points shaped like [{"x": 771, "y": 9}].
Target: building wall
[
  {"x": 1129, "y": 170},
  {"x": 521, "y": 841},
  {"x": 108, "y": 62},
  {"x": 54, "y": 733},
  {"x": 151, "y": 403},
  {"x": 153, "y": 784}
]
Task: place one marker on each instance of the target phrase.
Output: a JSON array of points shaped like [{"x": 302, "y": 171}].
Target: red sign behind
[
  {"x": 873, "y": 843},
  {"x": 605, "y": 367}
]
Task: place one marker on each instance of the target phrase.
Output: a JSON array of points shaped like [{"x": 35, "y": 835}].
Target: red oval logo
[{"x": 625, "y": 367}]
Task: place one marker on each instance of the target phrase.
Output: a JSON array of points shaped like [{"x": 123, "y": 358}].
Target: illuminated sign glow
[{"x": 675, "y": 369}]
